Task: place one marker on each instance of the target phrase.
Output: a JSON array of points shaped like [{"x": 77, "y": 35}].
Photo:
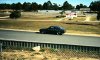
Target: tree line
[
  {"x": 95, "y": 6},
  {"x": 27, "y": 6}
]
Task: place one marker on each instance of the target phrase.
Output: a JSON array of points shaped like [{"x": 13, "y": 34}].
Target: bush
[
  {"x": 42, "y": 50},
  {"x": 57, "y": 16},
  {"x": 15, "y": 14},
  {"x": 60, "y": 16}
]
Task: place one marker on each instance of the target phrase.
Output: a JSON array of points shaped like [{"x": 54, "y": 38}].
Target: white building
[
  {"x": 85, "y": 9},
  {"x": 71, "y": 15}
]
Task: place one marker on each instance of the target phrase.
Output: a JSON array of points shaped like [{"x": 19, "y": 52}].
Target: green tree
[
  {"x": 80, "y": 6},
  {"x": 34, "y": 6},
  {"x": 98, "y": 15},
  {"x": 77, "y": 7},
  {"x": 95, "y": 6},
  {"x": 26, "y": 6},
  {"x": 67, "y": 6},
  {"x": 8, "y": 6},
  {"x": 45, "y": 7},
  {"x": 15, "y": 14},
  {"x": 40, "y": 7},
  {"x": 13, "y": 6},
  {"x": 18, "y": 6},
  {"x": 55, "y": 6},
  {"x": 49, "y": 5},
  {"x": 5, "y": 6}
]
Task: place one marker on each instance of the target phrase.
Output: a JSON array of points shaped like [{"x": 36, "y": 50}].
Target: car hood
[{"x": 43, "y": 28}]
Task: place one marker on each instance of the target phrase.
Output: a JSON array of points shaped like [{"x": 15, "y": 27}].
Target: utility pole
[{"x": 1, "y": 51}]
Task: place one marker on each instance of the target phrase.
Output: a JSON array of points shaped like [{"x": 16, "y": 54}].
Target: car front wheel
[{"x": 59, "y": 33}]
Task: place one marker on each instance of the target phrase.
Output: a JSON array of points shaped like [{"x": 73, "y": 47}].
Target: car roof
[{"x": 57, "y": 27}]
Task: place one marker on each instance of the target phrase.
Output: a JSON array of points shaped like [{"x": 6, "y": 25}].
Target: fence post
[{"x": 1, "y": 51}]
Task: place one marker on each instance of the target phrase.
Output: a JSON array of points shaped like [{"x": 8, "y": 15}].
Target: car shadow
[
  {"x": 46, "y": 33},
  {"x": 37, "y": 32}
]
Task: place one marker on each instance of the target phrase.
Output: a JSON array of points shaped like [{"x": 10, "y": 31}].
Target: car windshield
[{"x": 51, "y": 27}]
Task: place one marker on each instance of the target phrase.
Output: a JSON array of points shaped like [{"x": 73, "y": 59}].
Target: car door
[
  {"x": 56, "y": 29},
  {"x": 51, "y": 30}
]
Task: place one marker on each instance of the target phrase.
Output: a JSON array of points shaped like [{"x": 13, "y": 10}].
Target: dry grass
[
  {"x": 48, "y": 54},
  {"x": 36, "y": 25},
  {"x": 92, "y": 18},
  {"x": 79, "y": 19},
  {"x": 38, "y": 16}
]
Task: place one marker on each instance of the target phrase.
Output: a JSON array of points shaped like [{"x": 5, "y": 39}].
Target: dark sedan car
[{"x": 53, "y": 30}]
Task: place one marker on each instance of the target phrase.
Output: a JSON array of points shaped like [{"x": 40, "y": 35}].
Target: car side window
[
  {"x": 51, "y": 27},
  {"x": 56, "y": 28}
]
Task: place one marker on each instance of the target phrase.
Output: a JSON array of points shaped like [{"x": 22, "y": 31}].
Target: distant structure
[
  {"x": 71, "y": 15},
  {"x": 83, "y": 10}
]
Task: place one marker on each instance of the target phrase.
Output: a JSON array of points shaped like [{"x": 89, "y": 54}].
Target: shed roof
[{"x": 85, "y": 9}]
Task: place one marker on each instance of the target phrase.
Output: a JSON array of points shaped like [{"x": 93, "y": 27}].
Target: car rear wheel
[{"x": 42, "y": 32}]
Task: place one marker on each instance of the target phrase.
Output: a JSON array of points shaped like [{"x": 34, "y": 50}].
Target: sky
[{"x": 73, "y": 2}]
